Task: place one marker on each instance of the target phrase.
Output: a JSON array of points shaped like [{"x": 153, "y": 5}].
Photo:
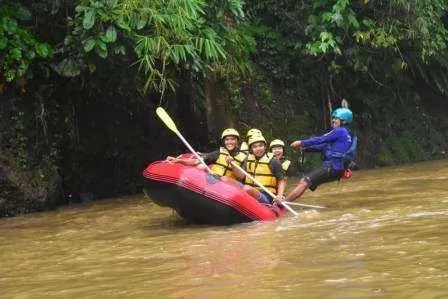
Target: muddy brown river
[{"x": 384, "y": 235}]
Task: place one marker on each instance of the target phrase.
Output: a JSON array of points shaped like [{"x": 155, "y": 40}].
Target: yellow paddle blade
[{"x": 161, "y": 113}]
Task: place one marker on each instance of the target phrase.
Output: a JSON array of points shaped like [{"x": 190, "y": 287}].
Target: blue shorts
[{"x": 265, "y": 198}]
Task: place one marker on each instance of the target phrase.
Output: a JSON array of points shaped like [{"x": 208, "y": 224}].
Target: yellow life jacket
[
  {"x": 260, "y": 170},
  {"x": 244, "y": 147},
  {"x": 285, "y": 164},
  {"x": 221, "y": 167}
]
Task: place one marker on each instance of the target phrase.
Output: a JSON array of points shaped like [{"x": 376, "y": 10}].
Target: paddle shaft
[
  {"x": 304, "y": 205},
  {"x": 286, "y": 203},
  {"x": 264, "y": 188},
  {"x": 168, "y": 121},
  {"x": 194, "y": 153}
]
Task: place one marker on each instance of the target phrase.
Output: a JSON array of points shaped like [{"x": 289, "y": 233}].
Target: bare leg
[
  {"x": 252, "y": 192},
  {"x": 298, "y": 190},
  {"x": 201, "y": 167},
  {"x": 231, "y": 181}
]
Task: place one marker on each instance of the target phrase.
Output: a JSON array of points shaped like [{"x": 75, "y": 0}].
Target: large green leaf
[
  {"x": 101, "y": 49},
  {"x": 9, "y": 25},
  {"x": 68, "y": 67},
  {"x": 30, "y": 55},
  {"x": 43, "y": 50},
  {"x": 141, "y": 22},
  {"x": 89, "y": 44},
  {"x": 68, "y": 40},
  {"x": 15, "y": 54},
  {"x": 111, "y": 34},
  {"x": 89, "y": 19}
]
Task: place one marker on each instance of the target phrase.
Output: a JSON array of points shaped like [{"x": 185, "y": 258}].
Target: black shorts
[{"x": 322, "y": 175}]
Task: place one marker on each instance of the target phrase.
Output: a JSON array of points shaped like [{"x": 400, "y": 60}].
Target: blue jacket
[{"x": 334, "y": 144}]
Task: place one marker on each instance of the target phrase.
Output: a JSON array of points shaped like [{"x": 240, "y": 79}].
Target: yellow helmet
[
  {"x": 230, "y": 132},
  {"x": 256, "y": 138},
  {"x": 276, "y": 142},
  {"x": 253, "y": 132}
]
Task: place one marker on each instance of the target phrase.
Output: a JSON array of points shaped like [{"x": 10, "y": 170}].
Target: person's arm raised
[{"x": 183, "y": 161}]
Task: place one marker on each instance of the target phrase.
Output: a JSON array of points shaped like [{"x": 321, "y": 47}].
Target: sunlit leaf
[
  {"x": 43, "y": 49},
  {"x": 15, "y": 54},
  {"x": 111, "y": 34},
  {"x": 89, "y": 19},
  {"x": 9, "y": 25},
  {"x": 89, "y": 44},
  {"x": 101, "y": 49}
]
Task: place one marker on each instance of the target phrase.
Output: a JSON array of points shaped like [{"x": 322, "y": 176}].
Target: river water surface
[{"x": 384, "y": 235}]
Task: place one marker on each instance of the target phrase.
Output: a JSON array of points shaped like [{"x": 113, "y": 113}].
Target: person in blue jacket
[{"x": 335, "y": 145}]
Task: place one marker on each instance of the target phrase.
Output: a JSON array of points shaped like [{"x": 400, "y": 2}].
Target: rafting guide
[{"x": 338, "y": 146}]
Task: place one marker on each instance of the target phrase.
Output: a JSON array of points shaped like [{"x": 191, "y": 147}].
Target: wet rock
[
  {"x": 83, "y": 197},
  {"x": 24, "y": 191}
]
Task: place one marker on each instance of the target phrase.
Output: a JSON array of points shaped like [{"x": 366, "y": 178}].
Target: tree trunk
[
  {"x": 218, "y": 110},
  {"x": 327, "y": 95}
]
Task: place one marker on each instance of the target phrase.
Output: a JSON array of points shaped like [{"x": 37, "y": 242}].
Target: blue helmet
[{"x": 344, "y": 114}]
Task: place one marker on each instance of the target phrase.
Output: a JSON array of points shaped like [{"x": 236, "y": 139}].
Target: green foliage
[
  {"x": 375, "y": 53},
  {"x": 95, "y": 29},
  {"x": 385, "y": 157},
  {"x": 329, "y": 24},
  {"x": 332, "y": 25},
  {"x": 18, "y": 45},
  {"x": 401, "y": 149},
  {"x": 265, "y": 92},
  {"x": 352, "y": 33},
  {"x": 165, "y": 36},
  {"x": 236, "y": 96}
]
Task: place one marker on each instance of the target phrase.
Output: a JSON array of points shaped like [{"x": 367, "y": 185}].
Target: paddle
[
  {"x": 285, "y": 204},
  {"x": 161, "y": 113},
  {"x": 303, "y": 205}
]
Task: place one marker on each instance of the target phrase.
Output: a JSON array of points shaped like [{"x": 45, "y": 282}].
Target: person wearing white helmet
[
  {"x": 338, "y": 146},
  {"x": 252, "y": 132},
  {"x": 218, "y": 159},
  {"x": 277, "y": 147},
  {"x": 265, "y": 169}
]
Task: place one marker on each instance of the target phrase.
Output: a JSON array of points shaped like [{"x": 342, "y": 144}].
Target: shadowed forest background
[{"x": 80, "y": 81}]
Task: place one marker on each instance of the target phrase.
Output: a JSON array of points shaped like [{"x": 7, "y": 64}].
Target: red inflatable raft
[{"x": 201, "y": 197}]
